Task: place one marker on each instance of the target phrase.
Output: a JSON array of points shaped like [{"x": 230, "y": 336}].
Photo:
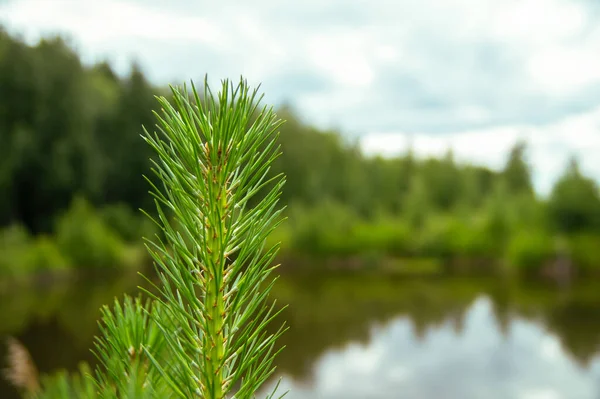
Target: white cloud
[
  {"x": 343, "y": 55},
  {"x": 118, "y": 30},
  {"x": 106, "y": 22},
  {"x": 540, "y": 394},
  {"x": 546, "y": 33},
  {"x": 537, "y": 21},
  {"x": 564, "y": 69}
]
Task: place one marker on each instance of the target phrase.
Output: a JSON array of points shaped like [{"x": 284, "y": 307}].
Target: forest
[{"x": 71, "y": 176}]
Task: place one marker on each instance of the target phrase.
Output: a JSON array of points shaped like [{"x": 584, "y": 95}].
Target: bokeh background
[{"x": 444, "y": 213}]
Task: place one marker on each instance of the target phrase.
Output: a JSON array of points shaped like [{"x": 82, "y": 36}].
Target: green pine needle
[
  {"x": 214, "y": 155},
  {"x": 203, "y": 331}
]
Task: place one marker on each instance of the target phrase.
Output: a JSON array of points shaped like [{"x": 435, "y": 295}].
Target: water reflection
[
  {"x": 476, "y": 362},
  {"x": 367, "y": 336},
  {"x": 360, "y": 337},
  {"x": 57, "y": 320}
]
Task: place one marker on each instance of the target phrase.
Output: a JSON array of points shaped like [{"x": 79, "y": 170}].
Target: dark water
[{"x": 359, "y": 336}]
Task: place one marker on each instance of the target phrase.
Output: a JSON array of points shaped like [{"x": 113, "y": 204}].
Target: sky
[{"x": 471, "y": 75}]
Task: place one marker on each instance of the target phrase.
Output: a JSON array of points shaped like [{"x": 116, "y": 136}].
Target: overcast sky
[{"x": 474, "y": 75}]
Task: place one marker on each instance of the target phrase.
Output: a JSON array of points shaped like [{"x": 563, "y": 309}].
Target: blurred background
[{"x": 443, "y": 238}]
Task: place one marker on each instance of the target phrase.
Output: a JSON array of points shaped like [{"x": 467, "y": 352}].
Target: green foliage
[
  {"x": 574, "y": 204},
  {"x": 328, "y": 152},
  {"x": 16, "y": 258},
  {"x": 65, "y": 385},
  {"x": 346, "y": 234},
  {"x": 129, "y": 332},
  {"x": 204, "y": 332},
  {"x": 530, "y": 250},
  {"x": 322, "y": 229},
  {"x": 517, "y": 173},
  {"x": 441, "y": 178},
  {"x": 86, "y": 240},
  {"x": 47, "y": 255},
  {"x": 417, "y": 202},
  {"x": 450, "y": 237},
  {"x": 125, "y": 371},
  {"x": 583, "y": 250},
  {"x": 127, "y": 224},
  {"x": 214, "y": 158},
  {"x": 434, "y": 237},
  {"x": 22, "y": 255},
  {"x": 468, "y": 239},
  {"x": 68, "y": 130},
  {"x": 385, "y": 236}
]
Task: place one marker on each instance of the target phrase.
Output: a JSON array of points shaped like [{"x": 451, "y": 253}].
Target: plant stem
[{"x": 214, "y": 343}]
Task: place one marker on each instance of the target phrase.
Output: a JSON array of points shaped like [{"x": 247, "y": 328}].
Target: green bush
[
  {"x": 21, "y": 255},
  {"x": 322, "y": 230},
  {"x": 129, "y": 225},
  {"x": 331, "y": 229},
  {"x": 16, "y": 257},
  {"x": 87, "y": 241},
  {"x": 574, "y": 204},
  {"x": 470, "y": 240},
  {"x": 529, "y": 250},
  {"x": 452, "y": 237},
  {"x": 391, "y": 237},
  {"x": 47, "y": 256},
  {"x": 433, "y": 240},
  {"x": 584, "y": 249}
]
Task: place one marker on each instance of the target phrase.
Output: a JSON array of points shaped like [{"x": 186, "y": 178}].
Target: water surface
[{"x": 368, "y": 336}]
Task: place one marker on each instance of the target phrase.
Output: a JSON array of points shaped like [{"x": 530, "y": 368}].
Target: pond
[{"x": 369, "y": 336}]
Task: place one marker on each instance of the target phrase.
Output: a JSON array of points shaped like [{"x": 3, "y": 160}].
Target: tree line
[{"x": 69, "y": 130}]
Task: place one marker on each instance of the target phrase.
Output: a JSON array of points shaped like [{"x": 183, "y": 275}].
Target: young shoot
[
  {"x": 202, "y": 333},
  {"x": 214, "y": 156}
]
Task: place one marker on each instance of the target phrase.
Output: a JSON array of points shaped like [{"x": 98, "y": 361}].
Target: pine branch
[
  {"x": 203, "y": 331},
  {"x": 214, "y": 157}
]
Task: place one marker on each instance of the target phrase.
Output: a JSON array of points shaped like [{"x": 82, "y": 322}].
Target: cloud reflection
[{"x": 479, "y": 362}]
